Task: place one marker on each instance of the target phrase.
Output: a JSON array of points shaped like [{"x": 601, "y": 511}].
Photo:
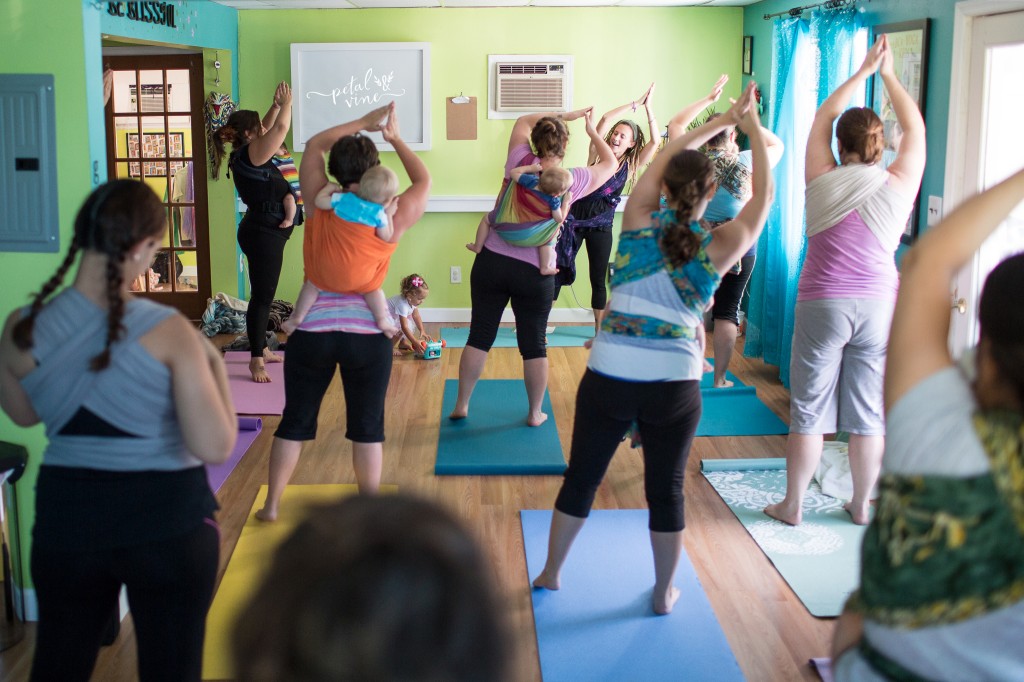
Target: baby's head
[
  {"x": 555, "y": 181},
  {"x": 415, "y": 289},
  {"x": 378, "y": 185}
]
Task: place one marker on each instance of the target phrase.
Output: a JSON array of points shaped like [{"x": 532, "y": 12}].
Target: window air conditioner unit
[{"x": 532, "y": 86}]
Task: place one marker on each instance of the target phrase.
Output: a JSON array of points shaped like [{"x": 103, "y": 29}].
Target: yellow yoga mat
[{"x": 249, "y": 563}]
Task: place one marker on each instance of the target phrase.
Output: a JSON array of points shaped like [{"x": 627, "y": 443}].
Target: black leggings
[
  {"x": 494, "y": 281},
  {"x": 265, "y": 252},
  {"x": 599, "y": 250},
  {"x": 667, "y": 413},
  {"x": 170, "y": 585}
]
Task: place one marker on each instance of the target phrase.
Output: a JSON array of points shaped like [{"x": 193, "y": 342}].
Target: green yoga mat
[
  {"x": 820, "y": 558},
  {"x": 495, "y": 440},
  {"x": 455, "y": 337},
  {"x": 737, "y": 411}
]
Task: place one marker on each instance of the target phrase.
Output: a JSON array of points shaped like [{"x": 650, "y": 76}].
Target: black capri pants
[
  {"x": 667, "y": 413},
  {"x": 730, "y": 292},
  {"x": 309, "y": 365},
  {"x": 265, "y": 252},
  {"x": 496, "y": 280}
]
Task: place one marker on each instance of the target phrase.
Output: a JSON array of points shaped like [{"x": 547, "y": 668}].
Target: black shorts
[
  {"x": 309, "y": 365},
  {"x": 730, "y": 292}
]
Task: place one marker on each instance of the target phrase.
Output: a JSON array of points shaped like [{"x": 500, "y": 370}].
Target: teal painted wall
[
  {"x": 683, "y": 49},
  {"x": 940, "y": 49}
]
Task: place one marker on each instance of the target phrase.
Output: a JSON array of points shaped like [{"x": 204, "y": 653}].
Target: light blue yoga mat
[
  {"x": 737, "y": 411},
  {"x": 455, "y": 337},
  {"x": 600, "y": 626},
  {"x": 820, "y": 558},
  {"x": 494, "y": 439}
]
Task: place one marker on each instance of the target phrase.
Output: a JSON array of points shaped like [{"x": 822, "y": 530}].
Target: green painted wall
[{"x": 618, "y": 51}]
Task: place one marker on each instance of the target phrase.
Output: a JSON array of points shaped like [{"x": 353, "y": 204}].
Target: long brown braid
[
  {"x": 689, "y": 176},
  {"x": 632, "y": 156},
  {"x": 114, "y": 218}
]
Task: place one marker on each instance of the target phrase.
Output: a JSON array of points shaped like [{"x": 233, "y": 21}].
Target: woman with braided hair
[
  {"x": 134, "y": 402},
  {"x": 590, "y": 221},
  {"x": 268, "y": 183},
  {"x": 645, "y": 363}
]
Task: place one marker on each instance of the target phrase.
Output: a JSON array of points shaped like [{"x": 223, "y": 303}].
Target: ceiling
[{"x": 375, "y": 4}]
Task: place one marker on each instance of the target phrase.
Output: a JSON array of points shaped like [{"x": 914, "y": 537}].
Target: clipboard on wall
[{"x": 460, "y": 115}]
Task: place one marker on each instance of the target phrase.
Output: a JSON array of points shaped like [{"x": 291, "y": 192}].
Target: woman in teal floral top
[{"x": 645, "y": 364}]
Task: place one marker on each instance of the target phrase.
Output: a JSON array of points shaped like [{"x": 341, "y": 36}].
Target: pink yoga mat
[
  {"x": 248, "y": 396},
  {"x": 248, "y": 429}
]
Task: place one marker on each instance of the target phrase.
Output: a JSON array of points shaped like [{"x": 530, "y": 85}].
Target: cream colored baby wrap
[{"x": 858, "y": 187}]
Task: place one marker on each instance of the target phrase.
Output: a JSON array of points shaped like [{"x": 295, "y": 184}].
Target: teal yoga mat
[
  {"x": 600, "y": 626},
  {"x": 455, "y": 337},
  {"x": 707, "y": 380},
  {"x": 737, "y": 411},
  {"x": 495, "y": 440},
  {"x": 820, "y": 558}
]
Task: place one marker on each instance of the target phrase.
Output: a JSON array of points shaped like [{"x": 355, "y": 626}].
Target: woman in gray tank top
[{"x": 134, "y": 403}]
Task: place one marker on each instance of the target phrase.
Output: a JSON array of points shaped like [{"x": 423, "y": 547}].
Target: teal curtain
[{"x": 802, "y": 77}]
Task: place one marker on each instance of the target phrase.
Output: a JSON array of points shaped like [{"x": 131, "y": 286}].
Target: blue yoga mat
[
  {"x": 820, "y": 558},
  {"x": 455, "y": 337},
  {"x": 737, "y": 411},
  {"x": 600, "y": 626},
  {"x": 495, "y": 439}
]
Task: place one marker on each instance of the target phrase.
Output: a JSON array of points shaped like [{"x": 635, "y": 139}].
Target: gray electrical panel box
[{"x": 28, "y": 164}]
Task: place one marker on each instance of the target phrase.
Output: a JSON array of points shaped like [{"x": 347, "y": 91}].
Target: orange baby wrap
[{"x": 344, "y": 257}]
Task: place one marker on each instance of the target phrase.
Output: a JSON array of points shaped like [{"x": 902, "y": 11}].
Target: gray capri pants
[{"x": 837, "y": 366}]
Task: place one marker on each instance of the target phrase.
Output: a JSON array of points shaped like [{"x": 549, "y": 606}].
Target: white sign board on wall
[{"x": 335, "y": 83}]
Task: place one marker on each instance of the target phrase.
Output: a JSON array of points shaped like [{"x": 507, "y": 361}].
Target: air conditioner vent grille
[{"x": 523, "y": 68}]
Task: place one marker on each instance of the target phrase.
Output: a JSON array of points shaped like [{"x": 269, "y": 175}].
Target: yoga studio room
[{"x": 511, "y": 340}]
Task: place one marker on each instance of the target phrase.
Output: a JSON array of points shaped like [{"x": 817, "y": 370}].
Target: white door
[{"x": 993, "y": 150}]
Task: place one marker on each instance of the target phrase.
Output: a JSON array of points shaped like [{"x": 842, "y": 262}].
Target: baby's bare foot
[{"x": 474, "y": 248}]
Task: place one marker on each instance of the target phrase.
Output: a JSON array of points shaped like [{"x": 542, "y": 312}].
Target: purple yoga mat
[
  {"x": 248, "y": 429},
  {"x": 248, "y": 396}
]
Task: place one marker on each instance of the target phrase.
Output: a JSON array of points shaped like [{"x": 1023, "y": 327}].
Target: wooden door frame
[{"x": 192, "y": 304}]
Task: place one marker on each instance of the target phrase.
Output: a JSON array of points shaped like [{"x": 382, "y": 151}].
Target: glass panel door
[{"x": 156, "y": 134}]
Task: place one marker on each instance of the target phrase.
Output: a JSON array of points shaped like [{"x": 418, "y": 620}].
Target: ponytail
[
  {"x": 689, "y": 176},
  {"x": 235, "y": 131}
]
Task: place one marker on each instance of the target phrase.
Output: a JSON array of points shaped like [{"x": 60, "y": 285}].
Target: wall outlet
[
  {"x": 456, "y": 274},
  {"x": 934, "y": 210}
]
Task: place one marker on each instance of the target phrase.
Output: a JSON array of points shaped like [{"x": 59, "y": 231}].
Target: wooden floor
[{"x": 769, "y": 630}]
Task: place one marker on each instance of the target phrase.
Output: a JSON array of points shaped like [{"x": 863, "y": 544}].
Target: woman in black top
[
  {"x": 263, "y": 188},
  {"x": 590, "y": 219}
]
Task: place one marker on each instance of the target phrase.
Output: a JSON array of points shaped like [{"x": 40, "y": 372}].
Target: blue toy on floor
[{"x": 431, "y": 350}]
